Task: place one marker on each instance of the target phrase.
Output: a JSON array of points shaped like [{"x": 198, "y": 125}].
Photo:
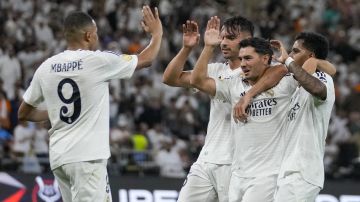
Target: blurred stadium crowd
[{"x": 156, "y": 129}]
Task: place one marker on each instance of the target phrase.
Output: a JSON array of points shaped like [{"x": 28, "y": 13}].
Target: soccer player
[
  {"x": 302, "y": 172},
  {"x": 259, "y": 143},
  {"x": 74, "y": 85},
  {"x": 209, "y": 176}
]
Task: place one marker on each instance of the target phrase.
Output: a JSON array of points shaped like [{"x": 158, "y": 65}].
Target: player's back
[{"x": 74, "y": 85}]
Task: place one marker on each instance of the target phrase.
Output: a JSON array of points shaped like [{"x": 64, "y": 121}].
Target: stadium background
[{"x": 158, "y": 130}]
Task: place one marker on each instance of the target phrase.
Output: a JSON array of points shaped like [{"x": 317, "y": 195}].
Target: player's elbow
[
  {"x": 196, "y": 82},
  {"x": 320, "y": 92},
  {"x": 143, "y": 64},
  {"x": 22, "y": 116},
  {"x": 166, "y": 80}
]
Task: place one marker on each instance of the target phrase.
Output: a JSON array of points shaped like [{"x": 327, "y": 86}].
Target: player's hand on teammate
[
  {"x": 239, "y": 113},
  {"x": 191, "y": 34},
  {"x": 151, "y": 22},
  {"x": 310, "y": 65},
  {"x": 281, "y": 48},
  {"x": 212, "y": 33}
]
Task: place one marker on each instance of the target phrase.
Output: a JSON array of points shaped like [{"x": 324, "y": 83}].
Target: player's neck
[
  {"x": 234, "y": 64},
  {"x": 77, "y": 46}
]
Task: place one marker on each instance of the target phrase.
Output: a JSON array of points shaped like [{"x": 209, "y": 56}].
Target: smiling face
[
  {"x": 230, "y": 43},
  {"x": 253, "y": 64}
]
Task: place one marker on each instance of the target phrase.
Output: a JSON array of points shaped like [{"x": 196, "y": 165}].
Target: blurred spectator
[
  {"x": 169, "y": 161},
  {"x": 140, "y": 143},
  {"x": 120, "y": 136},
  {"x": 23, "y": 137},
  {"x": 5, "y": 109},
  {"x": 10, "y": 72},
  {"x": 41, "y": 145},
  {"x": 156, "y": 137}
]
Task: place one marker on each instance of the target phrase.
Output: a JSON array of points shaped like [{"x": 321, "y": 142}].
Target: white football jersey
[
  {"x": 75, "y": 88},
  {"x": 218, "y": 147},
  {"x": 308, "y": 119},
  {"x": 259, "y": 144}
]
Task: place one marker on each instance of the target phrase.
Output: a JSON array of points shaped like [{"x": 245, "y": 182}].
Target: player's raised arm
[
  {"x": 174, "y": 74},
  {"x": 306, "y": 80},
  {"x": 199, "y": 76},
  {"x": 151, "y": 23}
]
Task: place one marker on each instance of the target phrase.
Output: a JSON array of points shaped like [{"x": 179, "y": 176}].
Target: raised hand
[
  {"x": 212, "y": 33},
  {"x": 191, "y": 34},
  {"x": 283, "y": 53},
  {"x": 151, "y": 23}
]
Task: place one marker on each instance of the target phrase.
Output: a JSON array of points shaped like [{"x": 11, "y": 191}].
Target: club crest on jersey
[
  {"x": 224, "y": 77},
  {"x": 126, "y": 57}
]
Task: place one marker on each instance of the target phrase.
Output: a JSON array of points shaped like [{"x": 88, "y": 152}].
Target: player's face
[
  {"x": 299, "y": 53},
  {"x": 252, "y": 64},
  {"x": 230, "y": 43}
]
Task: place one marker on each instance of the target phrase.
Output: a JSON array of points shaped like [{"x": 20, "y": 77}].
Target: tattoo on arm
[{"x": 308, "y": 82}]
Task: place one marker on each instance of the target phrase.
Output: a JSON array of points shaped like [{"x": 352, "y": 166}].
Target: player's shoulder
[
  {"x": 323, "y": 77},
  {"x": 219, "y": 65},
  {"x": 217, "y": 68}
]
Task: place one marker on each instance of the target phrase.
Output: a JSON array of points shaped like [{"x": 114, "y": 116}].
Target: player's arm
[
  {"x": 271, "y": 78},
  {"x": 29, "y": 113},
  {"x": 174, "y": 74},
  {"x": 199, "y": 76},
  {"x": 311, "y": 64},
  {"x": 151, "y": 23},
  {"x": 326, "y": 66},
  {"x": 311, "y": 84}
]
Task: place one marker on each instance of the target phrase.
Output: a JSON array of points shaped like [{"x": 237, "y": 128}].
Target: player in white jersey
[
  {"x": 209, "y": 176},
  {"x": 302, "y": 172},
  {"x": 259, "y": 144},
  {"x": 74, "y": 85}
]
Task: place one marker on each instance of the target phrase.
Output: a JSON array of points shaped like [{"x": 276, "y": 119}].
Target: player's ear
[
  {"x": 266, "y": 59},
  {"x": 87, "y": 36},
  {"x": 312, "y": 55}
]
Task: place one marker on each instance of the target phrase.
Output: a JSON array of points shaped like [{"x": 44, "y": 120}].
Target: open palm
[
  {"x": 212, "y": 33},
  {"x": 280, "y": 47},
  {"x": 191, "y": 34}
]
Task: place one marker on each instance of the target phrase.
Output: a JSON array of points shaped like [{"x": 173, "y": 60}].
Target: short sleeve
[
  {"x": 289, "y": 83},
  {"x": 33, "y": 95},
  {"x": 327, "y": 80},
  {"x": 117, "y": 66}
]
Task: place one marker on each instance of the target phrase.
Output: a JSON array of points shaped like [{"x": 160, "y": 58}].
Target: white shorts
[
  {"x": 206, "y": 182},
  {"x": 293, "y": 188},
  {"x": 253, "y": 189},
  {"x": 84, "y": 181}
]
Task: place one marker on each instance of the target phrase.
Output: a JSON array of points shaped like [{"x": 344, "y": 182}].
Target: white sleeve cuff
[{"x": 288, "y": 61}]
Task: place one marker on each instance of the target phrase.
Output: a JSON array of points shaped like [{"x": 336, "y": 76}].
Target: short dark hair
[
  {"x": 315, "y": 43},
  {"x": 260, "y": 45},
  {"x": 75, "y": 22},
  {"x": 238, "y": 24}
]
